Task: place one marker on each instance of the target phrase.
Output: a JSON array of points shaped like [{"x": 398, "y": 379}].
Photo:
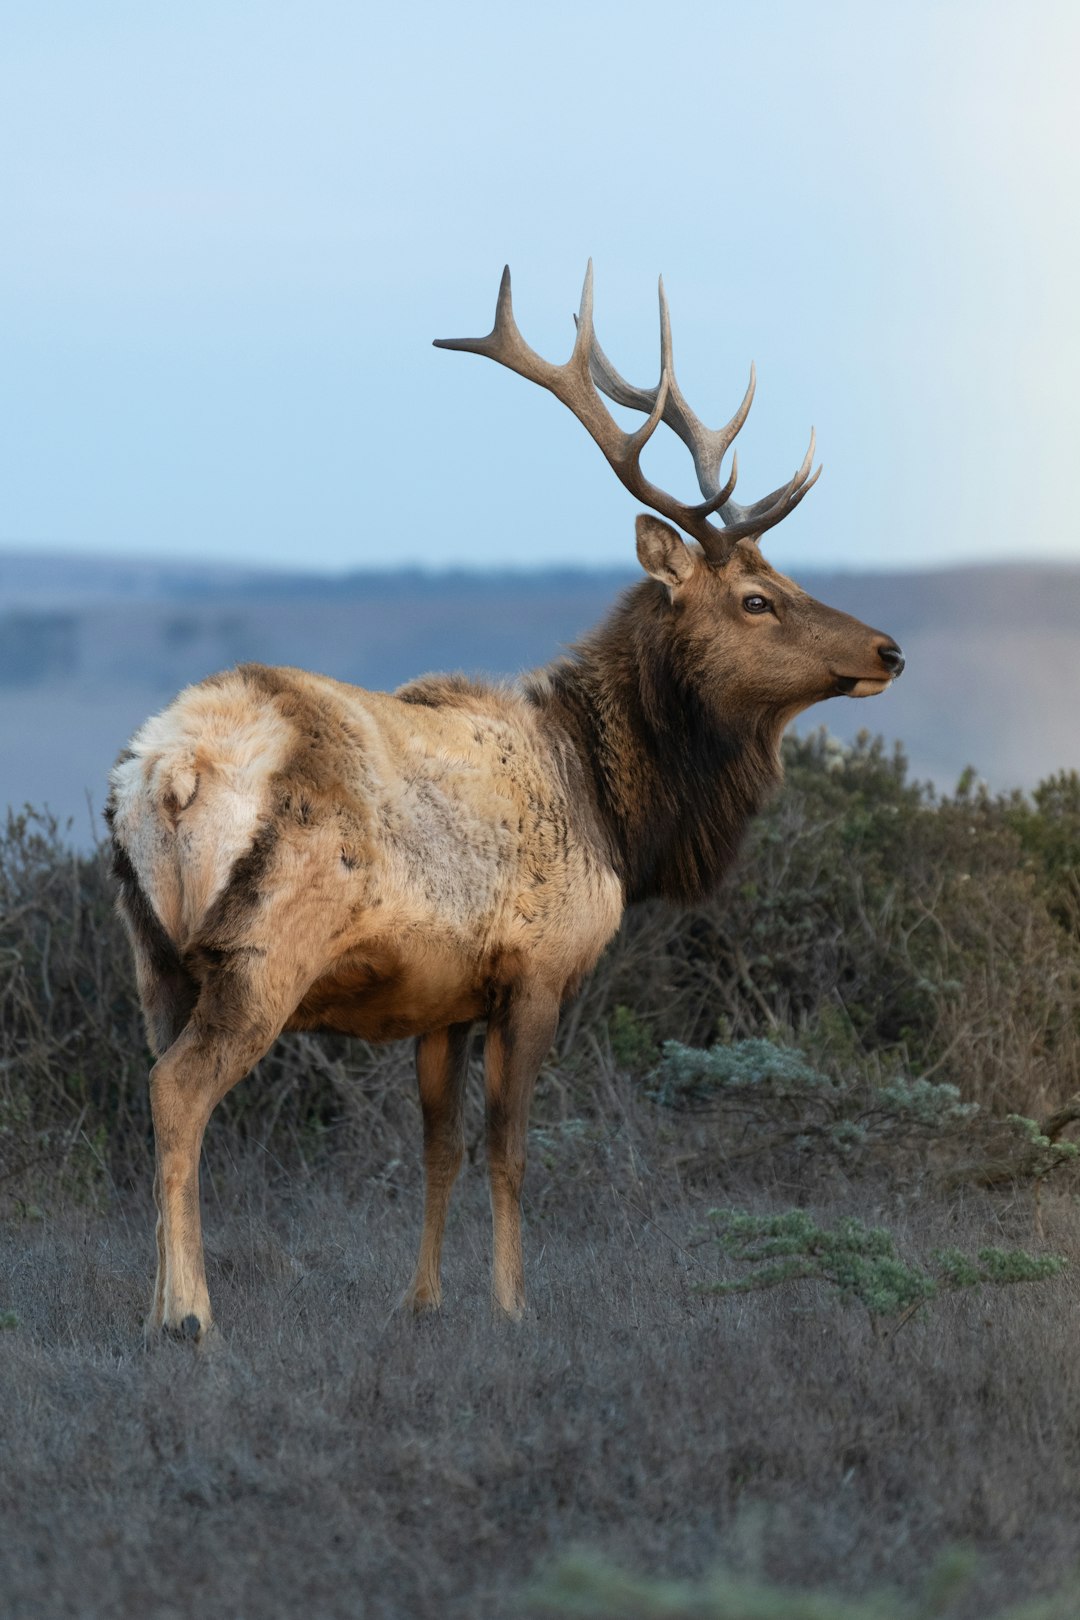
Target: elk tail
[{"x": 192, "y": 793}]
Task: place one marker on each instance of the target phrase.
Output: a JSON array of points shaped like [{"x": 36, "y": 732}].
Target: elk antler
[{"x": 588, "y": 369}]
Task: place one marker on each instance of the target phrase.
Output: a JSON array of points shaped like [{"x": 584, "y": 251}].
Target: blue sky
[{"x": 231, "y": 232}]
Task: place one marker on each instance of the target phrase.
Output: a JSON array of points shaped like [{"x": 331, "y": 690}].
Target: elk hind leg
[
  {"x": 235, "y": 1021},
  {"x": 519, "y": 1038},
  {"x": 168, "y": 994},
  {"x": 442, "y": 1064}
]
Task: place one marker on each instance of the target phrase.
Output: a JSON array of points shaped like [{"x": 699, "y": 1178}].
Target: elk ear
[{"x": 662, "y": 552}]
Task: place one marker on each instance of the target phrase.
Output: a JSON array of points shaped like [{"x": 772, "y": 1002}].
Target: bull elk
[{"x": 296, "y": 853}]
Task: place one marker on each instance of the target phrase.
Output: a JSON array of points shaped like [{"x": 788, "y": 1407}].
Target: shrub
[
  {"x": 876, "y": 928},
  {"x": 859, "y": 1263},
  {"x": 585, "y": 1588},
  {"x": 771, "y": 1099},
  {"x": 784, "y": 1092},
  {"x": 867, "y": 917}
]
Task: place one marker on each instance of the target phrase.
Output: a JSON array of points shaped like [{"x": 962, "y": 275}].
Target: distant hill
[{"x": 90, "y": 646}]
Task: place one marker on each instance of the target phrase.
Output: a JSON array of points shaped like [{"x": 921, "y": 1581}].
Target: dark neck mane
[{"x": 676, "y": 777}]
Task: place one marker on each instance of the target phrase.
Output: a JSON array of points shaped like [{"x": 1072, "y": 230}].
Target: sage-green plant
[
  {"x": 859, "y": 1263},
  {"x": 587, "y": 1588},
  {"x": 791, "y": 1103},
  {"x": 788, "y": 1102},
  {"x": 1037, "y": 1155}
]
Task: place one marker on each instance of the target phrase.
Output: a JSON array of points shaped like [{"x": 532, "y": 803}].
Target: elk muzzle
[
  {"x": 892, "y": 661},
  {"x": 892, "y": 658}
]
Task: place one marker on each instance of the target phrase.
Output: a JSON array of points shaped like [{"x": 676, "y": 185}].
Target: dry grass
[{"x": 330, "y": 1456}]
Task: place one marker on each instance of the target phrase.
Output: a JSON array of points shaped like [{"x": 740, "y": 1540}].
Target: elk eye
[{"x": 756, "y": 604}]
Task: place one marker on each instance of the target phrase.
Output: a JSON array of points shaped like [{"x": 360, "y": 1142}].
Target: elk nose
[{"x": 892, "y": 658}]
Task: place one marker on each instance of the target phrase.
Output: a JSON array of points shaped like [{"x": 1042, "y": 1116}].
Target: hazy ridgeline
[
  {"x": 89, "y": 648},
  {"x": 876, "y": 947}
]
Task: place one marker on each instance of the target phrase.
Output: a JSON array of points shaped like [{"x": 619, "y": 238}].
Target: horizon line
[{"x": 272, "y": 569}]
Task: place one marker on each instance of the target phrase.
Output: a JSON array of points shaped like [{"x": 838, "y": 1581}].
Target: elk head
[{"x": 754, "y": 640}]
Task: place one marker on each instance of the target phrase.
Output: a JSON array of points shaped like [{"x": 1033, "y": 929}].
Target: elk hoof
[{"x": 189, "y": 1330}]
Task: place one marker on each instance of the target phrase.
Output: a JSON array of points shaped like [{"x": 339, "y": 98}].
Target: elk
[{"x": 296, "y": 853}]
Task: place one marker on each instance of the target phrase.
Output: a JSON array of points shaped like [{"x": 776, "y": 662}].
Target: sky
[{"x": 231, "y": 232}]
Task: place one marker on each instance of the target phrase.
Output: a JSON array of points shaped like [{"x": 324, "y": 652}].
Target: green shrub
[
  {"x": 584, "y": 1588},
  {"x": 874, "y": 927},
  {"x": 859, "y": 1263},
  {"x": 785, "y": 1095},
  {"x": 770, "y": 1098},
  {"x": 1038, "y": 1155},
  {"x": 870, "y": 918}
]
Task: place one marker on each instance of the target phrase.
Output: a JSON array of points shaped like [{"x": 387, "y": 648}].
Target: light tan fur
[
  {"x": 296, "y": 853},
  {"x": 410, "y": 866},
  {"x": 299, "y": 853},
  {"x": 415, "y": 862},
  {"x": 206, "y": 746}
]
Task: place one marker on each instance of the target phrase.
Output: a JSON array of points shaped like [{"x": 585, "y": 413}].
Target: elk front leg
[
  {"x": 519, "y": 1038},
  {"x": 234, "y": 1023},
  {"x": 442, "y": 1065}
]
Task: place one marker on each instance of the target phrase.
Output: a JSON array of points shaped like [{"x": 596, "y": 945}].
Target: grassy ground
[{"x": 332, "y": 1457}]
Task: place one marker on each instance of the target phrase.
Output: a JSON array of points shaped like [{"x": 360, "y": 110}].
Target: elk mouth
[{"x": 860, "y": 686}]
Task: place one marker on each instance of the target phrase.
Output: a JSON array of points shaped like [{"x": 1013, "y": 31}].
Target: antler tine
[
  {"x": 585, "y": 334},
  {"x": 732, "y": 513},
  {"x": 504, "y": 342},
  {"x": 588, "y": 372},
  {"x": 572, "y": 384},
  {"x": 758, "y": 523},
  {"x": 707, "y": 446},
  {"x": 608, "y": 380},
  {"x": 623, "y": 450}
]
